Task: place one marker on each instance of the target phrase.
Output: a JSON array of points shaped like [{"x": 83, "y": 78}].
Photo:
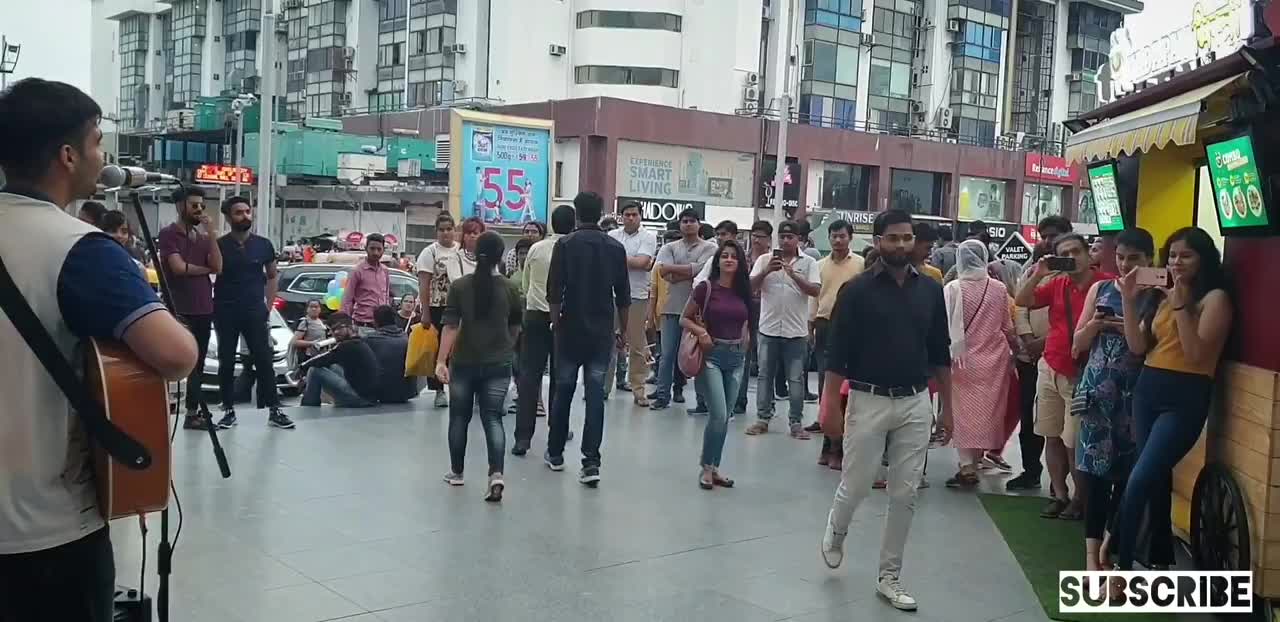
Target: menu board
[
  {"x": 1237, "y": 186},
  {"x": 1106, "y": 197}
]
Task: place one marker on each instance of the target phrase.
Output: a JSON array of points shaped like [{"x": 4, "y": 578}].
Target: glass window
[
  {"x": 824, "y": 61},
  {"x": 847, "y": 65},
  {"x": 846, "y": 187},
  {"x": 900, "y": 80},
  {"x": 629, "y": 19},
  {"x": 917, "y": 192},
  {"x": 878, "y": 79},
  {"x": 1041, "y": 201},
  {"x": 982, "y": 199}
]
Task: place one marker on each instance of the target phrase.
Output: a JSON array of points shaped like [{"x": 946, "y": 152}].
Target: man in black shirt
[
  {"x": 389, "y": 345},
  {"x": 888, "y": 336},
  {"x": 240, "y": 297},
  {"x": 587, "y": 287},
  {"x": 348, "y": 372}
]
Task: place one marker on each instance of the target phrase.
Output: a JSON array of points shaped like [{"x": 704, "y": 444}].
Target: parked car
[
  {"x": 301, "y": 283},
  {"x": 281, "y": 362}
]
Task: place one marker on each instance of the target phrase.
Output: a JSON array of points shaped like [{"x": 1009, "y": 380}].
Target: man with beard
[
  {"x": 188, "y": 256},
  {"x": 241, "y": 298},
  {"x": 889, "y": 336}
]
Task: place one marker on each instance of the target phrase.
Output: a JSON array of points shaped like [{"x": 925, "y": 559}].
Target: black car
[{"x": 301, "y": 283}]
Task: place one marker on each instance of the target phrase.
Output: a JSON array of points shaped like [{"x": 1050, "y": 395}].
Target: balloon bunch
[{"x": 337, "y": 289}]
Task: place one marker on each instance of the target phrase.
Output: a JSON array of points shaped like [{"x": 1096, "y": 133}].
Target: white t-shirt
[
  {"x": 445, "y": 264},
  {"x": 784, "y": 309},
  {"x": 642, "y": 243}
]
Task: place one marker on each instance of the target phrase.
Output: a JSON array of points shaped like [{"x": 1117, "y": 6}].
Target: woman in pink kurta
[{"x": 982, "y": 336}]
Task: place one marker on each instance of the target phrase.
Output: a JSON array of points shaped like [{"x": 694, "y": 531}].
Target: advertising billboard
[{"x": 501, "y": 168}]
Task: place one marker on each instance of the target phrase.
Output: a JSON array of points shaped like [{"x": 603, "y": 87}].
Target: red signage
[
  {"x": 222, "y": 174},
  {"x": 354, "y": 239},
  {"x": 1051, "y": 169},
  {"x": 391, "y": 239}
]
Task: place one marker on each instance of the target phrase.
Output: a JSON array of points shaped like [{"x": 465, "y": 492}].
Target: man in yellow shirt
[
  {"x": 926, "y": 236},
  {"x": 657, "y": 300}
]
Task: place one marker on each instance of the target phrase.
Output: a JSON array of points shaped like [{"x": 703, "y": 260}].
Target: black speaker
[{"x": 132, "y": 606}]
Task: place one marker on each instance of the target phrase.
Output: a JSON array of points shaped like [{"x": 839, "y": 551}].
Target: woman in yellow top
[{"x": 1181, "y": 331}]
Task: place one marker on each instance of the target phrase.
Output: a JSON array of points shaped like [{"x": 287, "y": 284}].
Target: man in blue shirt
[
  {"x": 55, "y": 550},
  {"x": 241, "y": 296}
]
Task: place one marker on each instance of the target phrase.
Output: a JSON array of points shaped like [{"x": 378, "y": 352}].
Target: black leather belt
[{"x": 892, "y": 392}]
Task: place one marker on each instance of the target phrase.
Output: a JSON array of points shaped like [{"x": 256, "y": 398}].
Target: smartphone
[
  {"x": 1062, "y": 264},
  {"x": 777, "y": 253},
  {"x": 1153, "y": 277},
  {"x": 1105, "y": 310}
]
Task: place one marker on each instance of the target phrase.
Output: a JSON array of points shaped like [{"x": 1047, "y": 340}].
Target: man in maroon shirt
[
  {"x": 368, "y": 286},
  {"x": 1063, "y": 293},
  {"x": 189, "y": 257}
]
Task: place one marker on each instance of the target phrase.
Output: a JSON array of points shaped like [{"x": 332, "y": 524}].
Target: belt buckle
[{"x": 896, "y": 392}]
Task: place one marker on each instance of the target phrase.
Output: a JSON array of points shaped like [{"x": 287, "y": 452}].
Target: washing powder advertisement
[{"x": 501, "y": 169}]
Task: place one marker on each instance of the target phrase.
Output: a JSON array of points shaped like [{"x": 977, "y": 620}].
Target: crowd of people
[{"x": 1107, "y": 374}]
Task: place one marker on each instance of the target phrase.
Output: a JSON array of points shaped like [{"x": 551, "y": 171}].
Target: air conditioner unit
[
  {"x": 556, "y": 50},
  {"x": 955, "y": 25},
  {"x": 869, "y": 39},
  {"x": 750, "y": 94},
  {"x": 345, "y": 98},
  {"x": 751, "y": 78},
  {"x": 917, "y": 105},
  {"x": 927, "y": 24},
  {"x": 1076, "y": 76},
  {"x": 458, "y": 48},
  {"x": 944, "y": 118},
  {"x": 459, "y": 86}
]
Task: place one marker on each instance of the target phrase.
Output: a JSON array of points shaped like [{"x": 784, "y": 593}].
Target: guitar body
[{"x": 136, "y": 400}]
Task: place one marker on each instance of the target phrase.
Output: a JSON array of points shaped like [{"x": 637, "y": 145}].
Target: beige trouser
[{"x": 637, "y": 346}]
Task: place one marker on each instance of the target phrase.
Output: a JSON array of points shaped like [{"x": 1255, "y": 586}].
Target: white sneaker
[
  {"x": 832, "y": 546},
  {"x": 442, "y": 399},
  {"x": 891, "y": 589}
]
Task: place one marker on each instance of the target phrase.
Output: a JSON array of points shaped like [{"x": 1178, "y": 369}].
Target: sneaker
[
  {"x": 997, "y": 462},
  {"x": 442, "y": 399},
  {"x": 496, "y": 486},
  {"x": 555, "y": 463},
  {"x": 657, "y": 404},
  {"x": 810, "y": 398},
  {"x": 228, "y": 419},
  {"x": 698, "y": 411},
  {"x": 891, "y": 589},
  {"x": 589, "y": 476},
  {"x": 832, "y": 546},
  {"x": 1025, "y": 481},
  {"x": 813, "y": 427},
  {"x": 924, "y": 483},
  {"x": 453, "y": 479},
  {"x": 798, "y": 432},
  {"x": 277, "y": 419},
  {"x": 520, "y": 448},
  {"x": 196, "y": 421}
]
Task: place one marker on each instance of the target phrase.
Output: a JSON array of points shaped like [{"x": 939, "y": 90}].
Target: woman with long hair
[
  {"x": 439, "y": 265},
  {"x": 982, "y": 339},
  {"x": 1105, "y": 446},
  {"x": 1181, "y": 331},
  {"x": 482, "y": 321},
  {"x": 717, "y": 313}
]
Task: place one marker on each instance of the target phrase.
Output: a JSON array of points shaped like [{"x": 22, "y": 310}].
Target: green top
[{"x": 484, "y": 340}]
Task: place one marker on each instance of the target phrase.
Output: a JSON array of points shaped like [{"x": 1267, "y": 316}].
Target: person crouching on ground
[
  {"x": 348, "y": 372},
  {"x": 390, "y": 344}
]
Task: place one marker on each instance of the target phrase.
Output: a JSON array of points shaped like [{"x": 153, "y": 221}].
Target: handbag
[
  {"x": 420, "y": 357},
  {"x": 691, "y": 357}
]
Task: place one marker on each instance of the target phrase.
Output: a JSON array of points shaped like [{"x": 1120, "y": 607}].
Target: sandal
[
  {"x": 757, "y": 428},
  {"x": 720, "y": 480},
  {"x": 1053, "y": 509},
  {"x": 1072, "y": 512},
  {"x": 963, "y": 479},
  {"x": 707, "y": 480}
]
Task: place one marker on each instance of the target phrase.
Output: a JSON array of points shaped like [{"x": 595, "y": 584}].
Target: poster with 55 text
[{"x": 505, "y": 171}]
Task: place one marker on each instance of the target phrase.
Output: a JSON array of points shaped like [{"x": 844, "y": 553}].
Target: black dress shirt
[
  {"x": 588, "y": 279},
  {"x": 887, "y": 334}
]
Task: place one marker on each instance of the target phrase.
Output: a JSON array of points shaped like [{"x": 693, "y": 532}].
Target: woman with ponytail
[{"x": 481, "y": 322}]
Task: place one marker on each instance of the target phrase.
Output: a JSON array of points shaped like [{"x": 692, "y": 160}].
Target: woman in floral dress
[{"x": 1106, "y": 445}]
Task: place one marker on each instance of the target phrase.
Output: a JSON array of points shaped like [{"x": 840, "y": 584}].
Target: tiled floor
[{"x": 346, "y": 518}]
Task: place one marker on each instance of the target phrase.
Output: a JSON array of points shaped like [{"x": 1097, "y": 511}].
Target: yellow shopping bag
[{"x": 420, "y": 358}]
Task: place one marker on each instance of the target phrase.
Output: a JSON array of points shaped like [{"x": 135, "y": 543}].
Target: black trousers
[
  {"x": 232, "y": 324},
  {"x": 75, "y": 581},
  {"x": 536, "y": 350},
  {"x": 1030, "y": 443},
  {"x": 200, "y": 327}
]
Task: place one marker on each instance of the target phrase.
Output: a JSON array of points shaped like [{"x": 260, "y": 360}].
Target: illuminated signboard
[{"x": 221, "y": 174}]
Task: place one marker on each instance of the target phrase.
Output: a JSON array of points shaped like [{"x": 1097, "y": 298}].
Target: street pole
[
  {"x": 239, "y": 145},
  {"x": 266, "y": 133},
  {"x": 784, "y": 102},
  {"x": 407, "y": 9}
]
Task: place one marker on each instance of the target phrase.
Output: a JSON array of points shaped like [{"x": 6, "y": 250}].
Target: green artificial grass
[{"x": 1043, "y": 547}]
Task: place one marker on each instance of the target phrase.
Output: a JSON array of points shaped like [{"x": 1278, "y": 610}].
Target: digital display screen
[
  {"x": 1237, "y": 185},
  {"x": 1106, "y": 197},
  {"x": 222, "y": 174}
]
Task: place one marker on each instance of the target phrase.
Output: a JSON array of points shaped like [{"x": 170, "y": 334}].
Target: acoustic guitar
[{"x": 136, "y": 400}]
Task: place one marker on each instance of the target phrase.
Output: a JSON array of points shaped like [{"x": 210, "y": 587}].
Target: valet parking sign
[
  {"x": 1155, "y": 592},
  {"x": 501, "y": 168}
]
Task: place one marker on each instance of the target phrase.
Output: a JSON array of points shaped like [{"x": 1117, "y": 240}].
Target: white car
[{"x": 280, "y": 335}]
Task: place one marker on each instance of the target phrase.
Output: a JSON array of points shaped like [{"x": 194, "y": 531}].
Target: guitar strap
[{"x": 117, "y": 444}]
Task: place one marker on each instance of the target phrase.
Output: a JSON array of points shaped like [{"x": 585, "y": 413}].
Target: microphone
[{"x": 113, "y": 176}]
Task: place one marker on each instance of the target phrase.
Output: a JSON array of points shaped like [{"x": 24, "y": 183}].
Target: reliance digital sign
[{"x": 222, "y": 174}]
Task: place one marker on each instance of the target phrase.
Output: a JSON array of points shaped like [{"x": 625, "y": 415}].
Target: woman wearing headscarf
[{"x": 982, "y": 339}]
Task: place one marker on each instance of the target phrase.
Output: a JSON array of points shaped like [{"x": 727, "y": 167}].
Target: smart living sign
[{"x": 1144, "y": 48}]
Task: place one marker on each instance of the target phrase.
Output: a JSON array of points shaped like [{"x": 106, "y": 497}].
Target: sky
[{"x": 54, "y": 35}]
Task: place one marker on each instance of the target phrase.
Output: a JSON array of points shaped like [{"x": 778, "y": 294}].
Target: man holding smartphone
[{"x": 1059, "y": 282}]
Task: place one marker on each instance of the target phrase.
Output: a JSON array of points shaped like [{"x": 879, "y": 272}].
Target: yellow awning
[{"x": 1172, "y": 120}]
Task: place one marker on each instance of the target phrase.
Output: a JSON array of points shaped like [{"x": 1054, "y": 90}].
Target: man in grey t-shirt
[{"x": 678, "y": 262}]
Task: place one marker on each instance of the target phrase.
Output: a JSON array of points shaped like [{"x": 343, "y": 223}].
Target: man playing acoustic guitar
[{"x": 55, "y": 550}]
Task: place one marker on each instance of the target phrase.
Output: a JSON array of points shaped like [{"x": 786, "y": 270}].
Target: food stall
[{"x": 1199, "y": 144}]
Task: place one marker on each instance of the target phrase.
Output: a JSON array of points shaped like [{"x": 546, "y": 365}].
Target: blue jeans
[
  {"x": 331, "y": 380},
  {"x": 1169, "y": 411},
  {"x": 593, "y": 360},
  {"x": 671, "y": 333},
  {"x": 718, "y": 382},
  {"x": 469, "y": 385},
  {"x": 791, "y": 353}
]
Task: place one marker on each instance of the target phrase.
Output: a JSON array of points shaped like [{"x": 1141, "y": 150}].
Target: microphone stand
[{"x": 164, "y": 562}]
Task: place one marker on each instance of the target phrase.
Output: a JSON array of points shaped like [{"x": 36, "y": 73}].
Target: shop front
[
  {"x": 1203, "y": 149},
  {"x": 667, "y": 179},
  {"x": 1047, "y": 186}
]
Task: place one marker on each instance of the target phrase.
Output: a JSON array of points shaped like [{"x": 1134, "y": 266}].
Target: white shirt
[
  {"x": 537, "y": 264},
  {"x": 643, "y": 243},
  {"x": 784, "y": 309},
  {"x": 445, "y": 264}
]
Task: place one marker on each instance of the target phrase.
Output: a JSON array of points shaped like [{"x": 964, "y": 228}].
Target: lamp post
[
  {"x": 9, "y": 54},
  {"x": 237, "y": 108},
  {"x": 784, "y": 103}
]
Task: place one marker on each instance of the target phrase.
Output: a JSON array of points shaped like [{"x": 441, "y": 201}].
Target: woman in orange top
[{"x": 1181, "y": 331}]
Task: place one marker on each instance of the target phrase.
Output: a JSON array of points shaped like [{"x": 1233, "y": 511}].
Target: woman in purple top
[{"x": 722, "y": 302}]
